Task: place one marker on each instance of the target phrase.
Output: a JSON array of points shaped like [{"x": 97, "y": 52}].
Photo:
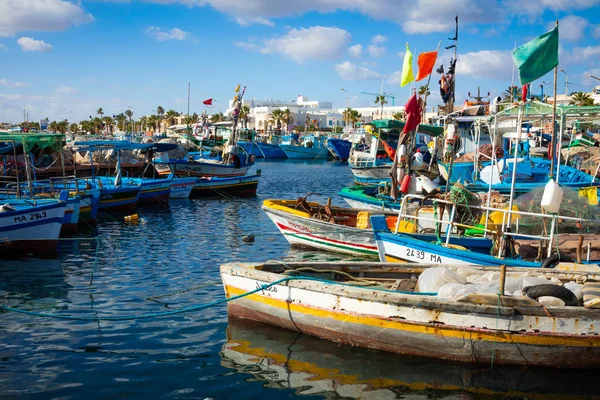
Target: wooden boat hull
[
  {"x": 119, "y": 200},
  {"x": 339, "y": 148},
  {"x": 316, "y": 234},
  {"x": 182, "y": 187},
  {"x": 308, "y": 153},
  {"x": 155, "y": 191},
  {"x": 90, "y": 203},
  {"x": 364, "y": 197},
  {"x": 371, "y": 175},
  {"x": 200, "y": 169},
  {"x": 71, "y": 217},
  {"x": 418, "y": 325},
  {"x": 31, "y": 229},
  {"x": 244, "y": 186},
  {"x": 268, "y": 150}
]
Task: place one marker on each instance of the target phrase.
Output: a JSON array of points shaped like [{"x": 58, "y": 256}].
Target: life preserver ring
[
  {"x": 560, "y": 292},
  {"x": 554, "y": 259}
]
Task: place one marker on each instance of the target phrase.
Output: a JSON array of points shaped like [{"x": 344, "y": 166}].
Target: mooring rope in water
[{"x": 159, "y": 314}]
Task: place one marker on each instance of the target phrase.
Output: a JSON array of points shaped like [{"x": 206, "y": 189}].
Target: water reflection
[{"x": 284, "y": 359}]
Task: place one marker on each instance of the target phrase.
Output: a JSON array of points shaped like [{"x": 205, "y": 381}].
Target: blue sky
[{"x": 65, "y": 59}]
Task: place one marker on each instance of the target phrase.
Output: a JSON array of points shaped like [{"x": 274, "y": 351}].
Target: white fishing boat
[{"x": 381, "y": 306}]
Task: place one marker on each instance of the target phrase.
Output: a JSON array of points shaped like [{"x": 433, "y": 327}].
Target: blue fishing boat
[
  {"x": 269, "y": 150},
  {"x": 339, "y": 148},
  {"x": 307, "y": 147},
  {"x": 235, "y": 186}
]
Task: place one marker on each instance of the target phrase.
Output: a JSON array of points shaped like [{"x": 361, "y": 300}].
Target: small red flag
[
  {"x": 207, "y": 102},
  {"x": 426, "y": 61}
]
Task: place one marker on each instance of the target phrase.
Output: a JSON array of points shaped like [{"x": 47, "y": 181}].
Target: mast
[
  {"x": 552, "y": 153},
  {"x": 187, "y": 120},
  {"x": 450, "y": 104}
]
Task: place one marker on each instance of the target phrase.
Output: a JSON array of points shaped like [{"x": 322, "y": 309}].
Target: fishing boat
[
  {"x": 284, "y": 360},
  {"x": 346, "y": 230},
  {"x": 237, "y": 186},
  {"x": 369, "y": 198},
  {"x": 270, "y": 150},
  {"x": 380, "y": 306},
  {"x": 395, "y": 246},
  {"x": 31, "y": 225},
  {"x": 339, "y": 148},
  {"x": 307, "y": 147},
  {"x": 181, "y": 187}
]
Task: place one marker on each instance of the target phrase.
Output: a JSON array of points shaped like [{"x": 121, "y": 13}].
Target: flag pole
[
  {"x": 552, "y": 152},
  {"x": 428, "y": 81}
]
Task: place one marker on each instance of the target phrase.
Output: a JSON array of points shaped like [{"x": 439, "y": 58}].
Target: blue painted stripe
[{"x": 31, "y": 224}]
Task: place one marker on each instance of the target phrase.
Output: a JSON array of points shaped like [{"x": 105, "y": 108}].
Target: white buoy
[
  {"x": 552, "y": 198},
  {"x": 425, "y": 184}
]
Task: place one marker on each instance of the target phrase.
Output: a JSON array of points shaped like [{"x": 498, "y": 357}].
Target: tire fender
[{"x": 560, "y": 292}]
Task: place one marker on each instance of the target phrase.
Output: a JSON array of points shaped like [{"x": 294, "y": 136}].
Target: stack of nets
[{"x": 463, "y": 199}]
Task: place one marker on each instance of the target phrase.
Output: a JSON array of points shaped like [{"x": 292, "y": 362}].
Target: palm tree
[
  {"x": 73, "y": 128},
  {"x": 188, "y": 120},
  {"x": 381, "y": 99},
  {"x": 195, "y": 117},
  {"x": 152, "y": 121},
  {"x": 422, "y": 90},
  {"x": 218, "y": 117},
  {"x": 513, "y": 93},
  {"x": 53, "y": 126},
  {"x": 352, "y": 116},
  {"x": 244, "y": 116},
  {"x": 121, "y": 120},
  {"x": 288, "y": 118},
  {"x": 143, "y": 121},
  {"x": 277, "y": 117},
  {"x": 97, "y": 125},
  {"x": 100, "y": 112},
  {"x": 87, "y": 125},
  {"x": 581, "y": 99},
  {"x": 160, "y": 111},
  {"x": 108, "y": 123},
  {"x": 399, "y": 116},
  {"x": 63, "y": 126},
  {"x": 171, "y": 117}
]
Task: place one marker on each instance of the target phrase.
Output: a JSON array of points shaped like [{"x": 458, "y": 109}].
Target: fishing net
[
  {"x": 575, "y": 204},
  {"x": 464, "y": 199}
]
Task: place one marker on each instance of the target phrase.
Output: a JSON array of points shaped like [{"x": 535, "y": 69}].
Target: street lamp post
[{"x": 566, "y": 86}]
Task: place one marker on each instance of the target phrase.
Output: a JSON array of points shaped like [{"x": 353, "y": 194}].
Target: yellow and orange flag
[{"x": 426, "y": 62}]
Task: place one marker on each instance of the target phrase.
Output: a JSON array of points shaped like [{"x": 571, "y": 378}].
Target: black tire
[
  {"x": 560, "y": 292},
  {"x": 554, "y": 259}
]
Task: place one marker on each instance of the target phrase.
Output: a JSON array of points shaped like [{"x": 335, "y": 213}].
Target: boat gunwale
[{"x": 252, "y": 271}]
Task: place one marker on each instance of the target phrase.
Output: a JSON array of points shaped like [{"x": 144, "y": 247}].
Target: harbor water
[{"x": 170, "y": 260}]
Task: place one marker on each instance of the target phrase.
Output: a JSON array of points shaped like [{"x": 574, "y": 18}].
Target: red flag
[
  {"x": 207, "y": 102},
  {"x": 426, "y": 61},
  {"x": 413, "y": 113}
]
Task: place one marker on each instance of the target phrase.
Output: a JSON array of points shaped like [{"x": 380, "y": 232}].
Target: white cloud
[
  {"x": 536, "y": 8},
  {"x": 30, "y": 44},
  {"x": 395, "y": 78},
  {"x": 585, "y": 77},
  {"x": 596, "y": 31},
  {"x": 316, "y": 42},
  {"x": 484, "y": 64},
  {"x": 352, "y": 72},
  {"x": 378, "y": 39},
  {"x": 579, "y": 55},
  {"x": 572, "y": 27},
  {"x": 356, "y": 50},
  {"x": 376, "y": 51},
  {"x": 245, "y": 22},
  {"x": 6, "y": 82},
  {"x": 161, "y": 36},
  {"x": 67, "y": 90},
  {"x": 40, "y": 15},
  {"x": 3, "y": 46}
]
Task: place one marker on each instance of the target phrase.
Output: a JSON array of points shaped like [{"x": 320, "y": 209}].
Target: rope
[{"x": 175, "y": 312}]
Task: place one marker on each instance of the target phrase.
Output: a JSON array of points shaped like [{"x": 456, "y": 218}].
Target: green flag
[
  {"x": 537, "y": 57},
  {"x": 407, "y": 70}
]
